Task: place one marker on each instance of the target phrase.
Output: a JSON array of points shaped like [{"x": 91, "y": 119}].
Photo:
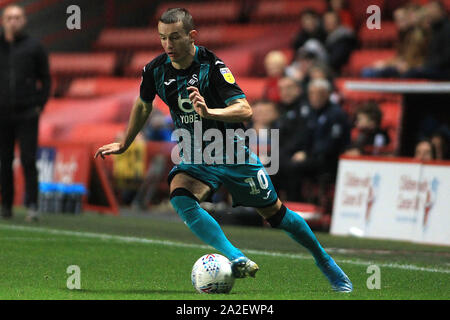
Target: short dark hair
[
  {"x": 371, "y": 110},
  {"x": 174, "y": 15}
]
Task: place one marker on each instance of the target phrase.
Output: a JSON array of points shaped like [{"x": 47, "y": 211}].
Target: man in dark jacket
[
  {"x": 24, "y": 90},
  {"x": 316, "y": 154}
]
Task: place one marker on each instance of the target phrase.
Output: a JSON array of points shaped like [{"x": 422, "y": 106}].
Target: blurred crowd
[
  {"x": 302, "y": 102},
  {"x": 300, "y": 98}
]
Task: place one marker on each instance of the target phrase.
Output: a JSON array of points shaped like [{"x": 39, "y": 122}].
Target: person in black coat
[
  {"x": 24, "y": 90},
  {"x": 340, "y": 41},
  {"x": 315, "y": 153}
]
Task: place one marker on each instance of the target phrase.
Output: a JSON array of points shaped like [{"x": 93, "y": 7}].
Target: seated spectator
[
  {"x": 311, "y": 28},
  {"x": 265, "y": 114},
  {"x": 440, "y": 140},
  {"x": 275, "y": 63},
  {"x": 411, "y": 47},
  {"x": 291, "y": 93},
  {"x": 314, "y": 154},
  {"x": 341, "y": 8},
  {"x": 437, "y": 61},
  {"x": 371, "y": 138},
  {"x": 310, "y": 53},
  {"x": 425, "y": 151},
  {"x": 340, "y": 41}
]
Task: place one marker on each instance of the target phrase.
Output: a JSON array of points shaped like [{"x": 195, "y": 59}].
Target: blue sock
[
  {"x": 297, "y": 228},
  {"x": 203, "y": 225}
]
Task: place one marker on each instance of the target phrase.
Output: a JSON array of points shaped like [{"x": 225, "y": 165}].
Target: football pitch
[{"x": 135, "y": 257}]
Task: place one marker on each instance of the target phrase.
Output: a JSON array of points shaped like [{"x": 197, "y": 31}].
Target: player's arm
[
  {"x": 238, "y": 110},
  {"x": 139, "y": 115}
]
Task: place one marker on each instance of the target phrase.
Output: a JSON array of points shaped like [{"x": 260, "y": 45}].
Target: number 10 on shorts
[{"x": 262, "y": 180}]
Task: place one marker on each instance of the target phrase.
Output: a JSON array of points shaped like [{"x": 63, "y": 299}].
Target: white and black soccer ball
[{"x": 212, "y": 274}]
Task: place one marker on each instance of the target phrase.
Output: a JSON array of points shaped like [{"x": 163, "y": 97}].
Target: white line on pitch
[{"x": 103, "y": 236}]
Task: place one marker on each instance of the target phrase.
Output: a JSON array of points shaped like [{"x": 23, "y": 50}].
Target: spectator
[
  {"x": 311, "y": 28},
  {"x": 265, "y": 114},
  {"x": 340, "y": 41},
  {"x": 24, "y": 90},
  {"x": 315, "y": 153},
  {"x": 275, "y": 63},
  {"x": 439, "y": 139},
  {"x": 310, "y": 53},
  {"x": 437, "y": 61},
  {"x": 371, "y": 138},
  {"x": 425, "y": 151},
  {"x": 341, "y": 8},
  {"x": 411, "y": 47}
]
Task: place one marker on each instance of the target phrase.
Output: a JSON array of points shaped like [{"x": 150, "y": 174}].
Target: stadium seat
[
  {"x": 360, "y": 59},
  {"x": 128, "y": 39},
  {"x": 252, "y": 87},
  {"x": 95, "y": 133},
  {"x": 95, "y": 87},
  {"x": 378, "y": 38},
  {"x": 285, "y": 10},
  {"x": 138, "y": 61},
  {"x": 205, "y": 12},
  {"x": 82, "y": 64},
  {"x": 392, "y": 117},
  {"x": 239, "y": 62},
  {"x": 358, "y": 9}
]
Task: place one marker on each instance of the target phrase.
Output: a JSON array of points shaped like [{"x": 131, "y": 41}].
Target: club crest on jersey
[
  {"x": 194, "y": 80},
  {"x": 227, "y": 75}
]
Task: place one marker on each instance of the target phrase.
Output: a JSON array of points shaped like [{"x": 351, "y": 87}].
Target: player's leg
[
  {"x": 185, "y": 194},
  {"x": 296, "y": 227}
]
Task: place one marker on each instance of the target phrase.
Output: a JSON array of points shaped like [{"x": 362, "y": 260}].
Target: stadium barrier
[{"x": 393, "y": 198}]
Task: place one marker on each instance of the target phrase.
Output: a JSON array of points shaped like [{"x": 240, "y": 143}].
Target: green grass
[{"x": 34, "y": 258}]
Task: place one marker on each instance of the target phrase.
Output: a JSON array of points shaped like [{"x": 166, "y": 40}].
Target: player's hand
[
  {"x": 112, "y": 148},
  {"x": 198, "y": 102}
]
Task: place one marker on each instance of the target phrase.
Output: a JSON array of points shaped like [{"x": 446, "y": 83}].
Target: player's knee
[
  {"x": 183, "y": 200},
  {"x": 275, "y": 219}
]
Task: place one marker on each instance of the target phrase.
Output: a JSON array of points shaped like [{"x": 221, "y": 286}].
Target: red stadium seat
[
  {"x": 284, "y": 10},
  {"x": 252, "y": 87},
  {"x": 358, "y": 9},
  {"x": 205, "y": 12},
  {"x": 95, "y": 87},
  {"x": 82, "y": 64},
  {"x": 138, "y": 61},
  {"x": 392, "y": 117},
  {"x": 378, "y": 38},
  {"x": 95, "y": 133},
  {"x": 365, "y": 58},
  {"x": 128, "y": 39},
  {"x": 239, "y": 62}
]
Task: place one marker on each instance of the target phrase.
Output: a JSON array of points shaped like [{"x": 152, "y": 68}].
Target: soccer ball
[{"x": 212, "y": 274}]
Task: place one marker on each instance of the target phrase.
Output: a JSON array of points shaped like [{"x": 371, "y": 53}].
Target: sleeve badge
[{"x": 227, "y": 75}]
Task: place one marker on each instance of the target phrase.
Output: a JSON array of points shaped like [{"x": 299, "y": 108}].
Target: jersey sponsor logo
[
  {"x": 227, "y": 75},
  {"x": 169, "y": 81},
  {"x": 185, "y": 104}
]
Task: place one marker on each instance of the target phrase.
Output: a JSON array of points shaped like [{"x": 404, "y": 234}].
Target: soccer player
[{"x": 199, "y": 89}]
